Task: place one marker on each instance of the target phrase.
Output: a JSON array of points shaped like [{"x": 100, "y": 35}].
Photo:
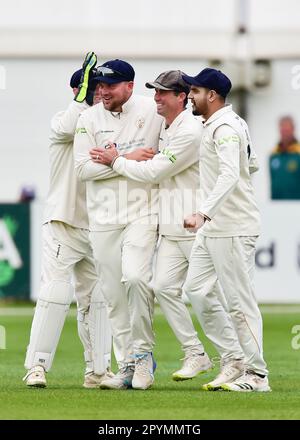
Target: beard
[
  {"x": 196, "y": 112},
  {"x": 200, "y": 109}
]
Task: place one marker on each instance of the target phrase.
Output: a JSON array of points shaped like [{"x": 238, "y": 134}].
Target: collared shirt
[
  {"x": 175, "y": 169},
  {"x": 226, "y": 191},
  {"x": 66, "y": 199},
  {"x": 114, "y": 201}
]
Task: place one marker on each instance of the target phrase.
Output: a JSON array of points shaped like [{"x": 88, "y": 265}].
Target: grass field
[{"x": 66, "y": 399}]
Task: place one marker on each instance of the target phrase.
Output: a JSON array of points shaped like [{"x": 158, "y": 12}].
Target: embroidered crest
[{"x": 140, "y": 122}]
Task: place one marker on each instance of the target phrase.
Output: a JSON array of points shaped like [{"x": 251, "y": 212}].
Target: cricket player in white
[
  {"x": 228, "y": 224},
  {"x": 123, "y": 222},
  {"x": 175, "y": 169},
  {"x": 67, "y": 256}
]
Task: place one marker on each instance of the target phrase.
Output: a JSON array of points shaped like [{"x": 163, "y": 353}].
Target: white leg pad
[
  {"x": 84, "y": 335},
  {"x": 49, "y": 317},
  {"x": 101, "y": 337},
  {"x": 95, "y": 335}
]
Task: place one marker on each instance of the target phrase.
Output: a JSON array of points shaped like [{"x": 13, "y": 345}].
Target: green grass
[{"x": 66, "y": 399}]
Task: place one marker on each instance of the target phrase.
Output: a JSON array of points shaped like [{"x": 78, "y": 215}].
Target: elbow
[
  {"x": 155, "y": 180},
  {"x": 253, "y": 168},
  {"x": 63, "y": 134},
  {"x": 156, "y": 177},
  {"x": 233, "y": 180},
  {"x": 79, "y": 173}
]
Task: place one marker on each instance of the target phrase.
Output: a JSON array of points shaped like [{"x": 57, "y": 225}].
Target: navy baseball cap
[
  {"x": 211, "y": 79},
  {"x": 75, "y": 79},
  {"x": 114, "y": 71}
]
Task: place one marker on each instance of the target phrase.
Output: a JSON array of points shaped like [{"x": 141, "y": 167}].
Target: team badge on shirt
[{"x": 140, "y": 122}]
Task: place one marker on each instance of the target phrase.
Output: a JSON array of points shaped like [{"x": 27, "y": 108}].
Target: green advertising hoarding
[{"x": 15, "y": 251}]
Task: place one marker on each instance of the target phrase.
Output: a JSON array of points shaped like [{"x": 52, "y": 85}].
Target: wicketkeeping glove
[{"x": 87, "y": 71}]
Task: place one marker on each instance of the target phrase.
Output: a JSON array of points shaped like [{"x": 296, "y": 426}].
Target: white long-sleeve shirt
[
  {"x": 226, "y": 191},
  {"x": 175, "y": 169},
  {"x": 66, "y": 199},
  {"x": 114, "y": 201}
]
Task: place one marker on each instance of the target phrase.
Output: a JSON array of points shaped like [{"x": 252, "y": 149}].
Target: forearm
[
  {"x": 63, "y": 124},
  {"x": 139, "y": 171},
  {"x": 87, "y": 170},
  {"x": 164, "y": 165}
]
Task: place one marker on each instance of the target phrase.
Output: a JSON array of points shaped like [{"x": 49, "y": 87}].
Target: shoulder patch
[
  {"x": 80, "y": 130},
  {"x": 169, "y": 155}
]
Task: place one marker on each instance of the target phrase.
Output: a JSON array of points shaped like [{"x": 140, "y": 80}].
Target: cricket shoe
[
  {"x": 143, "y": 376},
  {"x": 121, "y": 381},
  {"x": 230, "y": 371},
  {"x": 193, "y": 364},
  {"x": 250, "y": 381},
  {"x": 35, "y": 377},
  {"x": 93, "y": 380}
]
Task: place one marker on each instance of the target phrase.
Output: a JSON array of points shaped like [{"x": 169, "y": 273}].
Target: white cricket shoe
[
  {"x": 36, "y": 377},
  {"x": 193, "y": 364},
  {"x": 93, "y": 380},
  {"x": 250, "y": 381},
  {"x": 230, "y": 371},
  {"x": 121, "y": 381},
  {"x": 143, "y": 376}
]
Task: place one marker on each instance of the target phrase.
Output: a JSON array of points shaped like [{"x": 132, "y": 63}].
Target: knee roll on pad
[{"x": 59, "y": 292}]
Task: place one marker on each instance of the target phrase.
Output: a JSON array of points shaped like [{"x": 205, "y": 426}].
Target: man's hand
[
  {"x": 140, "y": 154},
  {"x": 87, "y": 71},
  {"x": 193, "y": 222},
  {"x": 105, "y": 156}
]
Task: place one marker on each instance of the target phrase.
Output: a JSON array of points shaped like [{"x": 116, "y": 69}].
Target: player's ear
[
  {"x": 130, "y": 86},
  {"x": 212, "y": 95}
]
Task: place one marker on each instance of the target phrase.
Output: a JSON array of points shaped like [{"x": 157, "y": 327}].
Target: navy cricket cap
[
  {"x": 114, "y": 71},
  {"x": 75, "y": 79},
  {"x": 211, "y": 79}
]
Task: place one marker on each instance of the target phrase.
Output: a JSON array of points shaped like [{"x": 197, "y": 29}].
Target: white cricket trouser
[
  {"x": 124, "y": 263},
  {"x": 231, "y": 260},
  {"x": 171, "y": 267},
  {"x": 67, "y": 257}
]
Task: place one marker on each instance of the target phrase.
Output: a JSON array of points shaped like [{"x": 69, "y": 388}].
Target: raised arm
[{"x": 63, "y": 124}]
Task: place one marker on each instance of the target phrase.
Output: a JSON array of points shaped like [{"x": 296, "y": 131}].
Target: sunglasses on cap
[{"x": 107, "y": 71}]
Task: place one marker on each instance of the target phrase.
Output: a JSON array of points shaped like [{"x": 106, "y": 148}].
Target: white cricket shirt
[
  {"x": 175, "y": 169},
  {"x": 66, "y": 199},
  {"x": 226, "y": 191},
  {"x": 113, "y": 200}
]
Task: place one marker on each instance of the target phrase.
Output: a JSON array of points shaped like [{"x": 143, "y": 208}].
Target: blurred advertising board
[{"x": 15, "y": 250}]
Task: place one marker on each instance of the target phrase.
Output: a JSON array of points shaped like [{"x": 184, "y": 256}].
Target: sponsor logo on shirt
[{"x": 226, "y": 139}]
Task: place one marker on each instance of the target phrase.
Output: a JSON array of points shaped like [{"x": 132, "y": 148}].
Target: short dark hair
[{"x": 177, "y": 92}]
